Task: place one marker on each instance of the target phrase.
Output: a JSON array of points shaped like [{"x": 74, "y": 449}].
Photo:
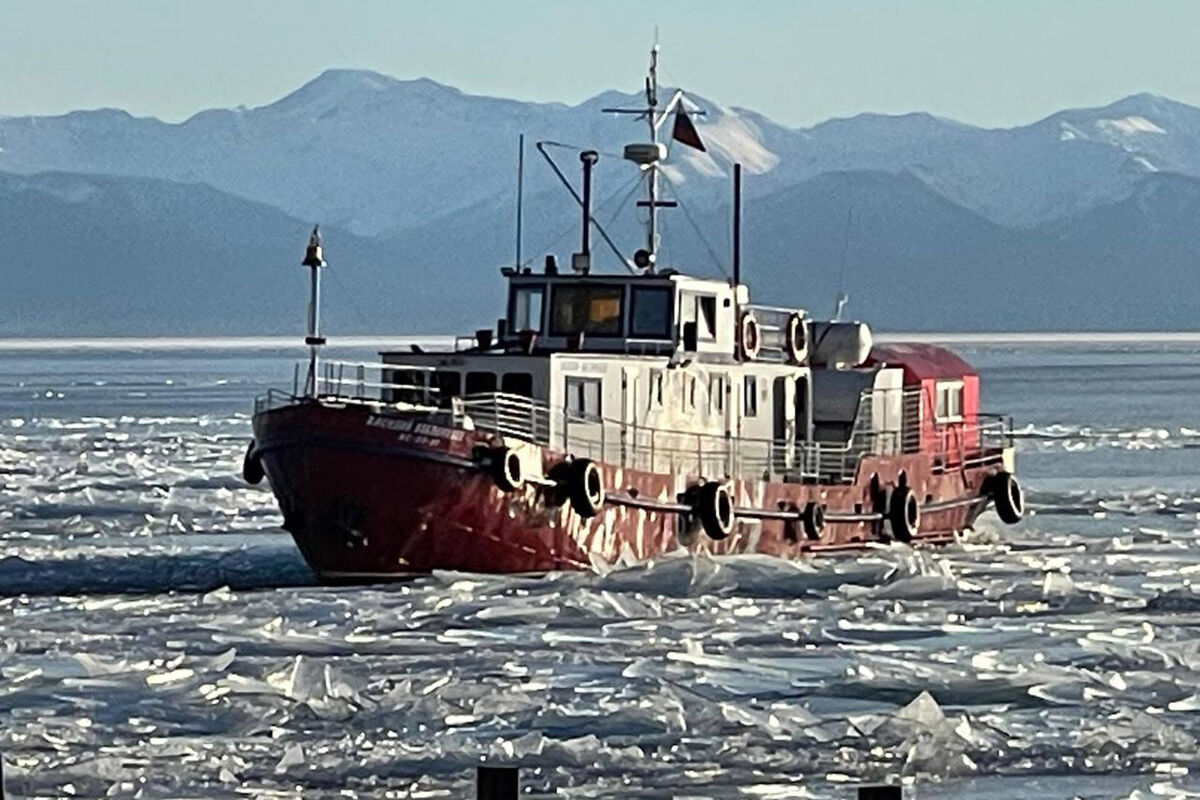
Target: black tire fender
[
  {"x": 813, "y": 519},
  {"x": 904, "y": 514},
  {"x": 252, "y": 468},
  {"x": 585, "y": 487},
  {"x": 714, "y": 507},
  {"x": 506, "y": 469},
  {"x": 1007, "y": 496}
]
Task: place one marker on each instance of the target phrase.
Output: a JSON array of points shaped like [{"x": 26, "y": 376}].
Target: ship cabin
[{"x": 651, "y": 371}]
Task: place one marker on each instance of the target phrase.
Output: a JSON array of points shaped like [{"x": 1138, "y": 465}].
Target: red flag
[{"x": 684, "y": 131}]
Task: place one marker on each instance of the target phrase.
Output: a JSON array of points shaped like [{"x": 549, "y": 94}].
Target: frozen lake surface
[{"x": 160, "y": 637}]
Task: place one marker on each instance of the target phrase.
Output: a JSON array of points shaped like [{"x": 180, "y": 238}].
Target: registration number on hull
[{"x": 416, "y": 432}]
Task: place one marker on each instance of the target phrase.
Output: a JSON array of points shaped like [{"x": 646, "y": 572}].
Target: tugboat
[{"x": 612, "y": 418}]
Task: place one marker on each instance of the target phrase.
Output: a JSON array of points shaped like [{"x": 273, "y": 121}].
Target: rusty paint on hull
[{"x": 366, "y": 495}]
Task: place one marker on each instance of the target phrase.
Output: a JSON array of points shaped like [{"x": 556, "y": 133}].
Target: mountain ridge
[{"x": 413, "y": 181}]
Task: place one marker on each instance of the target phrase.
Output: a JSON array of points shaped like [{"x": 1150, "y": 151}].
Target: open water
[{"x": 161, "y": 638}]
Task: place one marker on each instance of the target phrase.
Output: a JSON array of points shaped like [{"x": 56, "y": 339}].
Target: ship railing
[
  {"x": 354, "y": 382},
  {"x": 510, "y": 415},
  {"x": 650, "y": 449},
  {"x": 953, "y": 444}
]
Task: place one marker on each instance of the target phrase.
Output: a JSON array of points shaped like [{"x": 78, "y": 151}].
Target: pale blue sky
[{"x": 989, "y": 63}]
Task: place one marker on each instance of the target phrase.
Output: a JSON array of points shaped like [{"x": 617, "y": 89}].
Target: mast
[
  {"x": 652, "y": 169},
  {"x": 314, "y": 259},
  {"x": 648, "y": 155}
]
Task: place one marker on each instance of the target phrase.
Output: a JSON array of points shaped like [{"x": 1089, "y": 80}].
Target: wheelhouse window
[
  {"x": 481, "y": 382},
  {"x": 519, "y": 383},
  {"x": 650, "y": 315},
  {"x": 525, "y": 309},
  {"x": 583, "y": 398},
  {"x": 949, "y": 404},
  {"x": 594, "y": 309}
]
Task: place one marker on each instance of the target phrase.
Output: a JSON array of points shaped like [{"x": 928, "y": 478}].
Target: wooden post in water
[{"x": 494, "y": 783}]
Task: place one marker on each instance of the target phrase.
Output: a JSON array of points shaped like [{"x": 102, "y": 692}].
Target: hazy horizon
[{"x": 986, "y": 64}]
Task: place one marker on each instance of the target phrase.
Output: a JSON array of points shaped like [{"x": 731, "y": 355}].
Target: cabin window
[
  {"x": 518, "y": 383},
  {"x": 408, "y": 386},
  {"x": 651, "y": 313},
  {"x": 706, "y": 316},
  {"x": 689, "y": 391},
  {"x": 481, "y": 382},
  {"x": 949, "y": 405},
  {"x": 656, "y": 389},
  {"x": 750, "y": 396},
  {"x": 716, "y": 394},
  {"x": 526, "y": 311},
  {"x": 583, "y": 398},
  {"x": 448, "y": 383},
  {"x": 594, "y": 309}
]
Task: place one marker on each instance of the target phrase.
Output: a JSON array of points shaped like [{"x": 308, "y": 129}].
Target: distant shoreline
[{"x": 170, "y": 343}]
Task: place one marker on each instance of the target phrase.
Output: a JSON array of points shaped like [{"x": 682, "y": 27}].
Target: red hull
[{"x": 367, "y": 496}]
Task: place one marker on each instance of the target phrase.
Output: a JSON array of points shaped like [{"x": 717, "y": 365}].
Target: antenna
[
  {"x": 520, "y": 191},
  {"x": 842, "y": 296},
  {"x": 737, "y": 225}
]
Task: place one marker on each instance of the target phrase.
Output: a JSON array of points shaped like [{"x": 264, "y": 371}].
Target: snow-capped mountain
[
  {"x": 376, "y": 154},
  {"x": 111, "y": 223}
]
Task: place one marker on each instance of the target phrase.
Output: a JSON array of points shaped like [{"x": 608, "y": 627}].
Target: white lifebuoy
[
  {"x": 796, "y": 340},
  {"x": 749, "y": 336}
]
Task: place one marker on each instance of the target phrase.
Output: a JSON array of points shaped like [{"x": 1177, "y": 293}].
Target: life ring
[
  {"x": 252, "y": 468},
  {"x": 585, "y": 487},
  {"x": 1009, "y": 499},
  {"x": 904, "y": 514},
  {"x": 749, "y": 336},
  {"x": 506, "y": 469},
  {"x": 813, "y": 519},
  {"x": 797, "y": 339},
  {"x": 714, "y": 506}
]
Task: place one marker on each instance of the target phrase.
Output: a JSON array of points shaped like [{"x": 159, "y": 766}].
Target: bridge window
[
  {"x": 520, "y": 383},
  {"x": 587, "y": 308},
  {"x": 651, "y": 313},
  {"x": 481, "y": 382},
  {"x": 583, "y": 398},
  {"x": 525, "y": 314}
]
